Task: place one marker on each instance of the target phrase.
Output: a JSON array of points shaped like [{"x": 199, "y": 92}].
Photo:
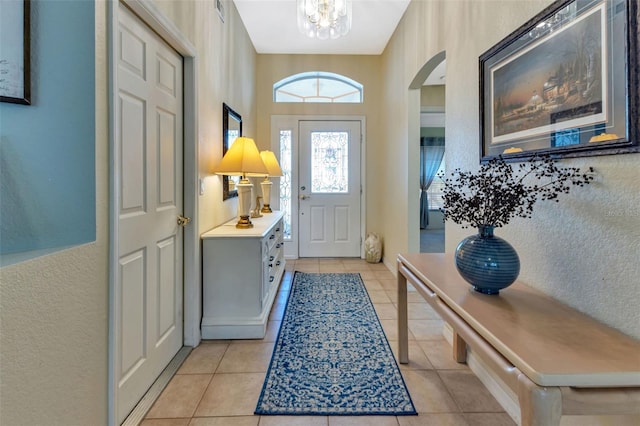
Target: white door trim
[
  {"x": 291, "y": 122},
  {"x": 148, "y": 13}
]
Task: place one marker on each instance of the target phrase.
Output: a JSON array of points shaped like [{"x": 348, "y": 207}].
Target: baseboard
[{"x": 245, "y": 327}]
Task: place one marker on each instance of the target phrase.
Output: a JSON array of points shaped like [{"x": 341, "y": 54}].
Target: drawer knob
[
  {"x": 271, "y": 265},
  {"x": 272, "y": 237},
  {"x": 277, "y": 245},
  {"x": 271, "y": 278},
  {"x": 271, "y": 258},
  {"x": 278, "y": 263}
]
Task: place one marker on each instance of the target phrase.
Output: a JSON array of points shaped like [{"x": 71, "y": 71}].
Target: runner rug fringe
[{"x": 331, "y": 356}]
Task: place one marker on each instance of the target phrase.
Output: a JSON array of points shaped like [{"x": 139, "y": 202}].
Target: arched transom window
[{"x": 317, "y": 87}]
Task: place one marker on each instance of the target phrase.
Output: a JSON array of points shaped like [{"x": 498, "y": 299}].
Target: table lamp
[
  {"x": 242, "y": 159},
  {"x": 271, "y": 162}
]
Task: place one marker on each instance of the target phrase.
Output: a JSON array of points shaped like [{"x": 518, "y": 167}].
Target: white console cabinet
[{"x": 241, "y": 272}]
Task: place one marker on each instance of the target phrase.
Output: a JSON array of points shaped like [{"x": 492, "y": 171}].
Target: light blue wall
[{"x": 47, "y": 149}]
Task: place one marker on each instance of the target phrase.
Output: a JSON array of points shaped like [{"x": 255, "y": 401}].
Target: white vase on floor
[{"x": 373, "y": 248}]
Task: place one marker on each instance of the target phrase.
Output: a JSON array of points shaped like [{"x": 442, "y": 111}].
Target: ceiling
[{"x": 273, "y": 29}]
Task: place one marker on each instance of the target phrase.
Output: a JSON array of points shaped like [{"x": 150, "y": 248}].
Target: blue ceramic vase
[{"x": 487, "y": 262}]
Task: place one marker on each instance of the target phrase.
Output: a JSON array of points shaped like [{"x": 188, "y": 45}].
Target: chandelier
[{"x": 324, "y": 19}]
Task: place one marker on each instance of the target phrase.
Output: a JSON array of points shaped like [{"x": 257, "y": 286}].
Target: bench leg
[
  {"x": 459, "y": 348},
  {"x": 403, "y": 320},
  {"x": 539, "y": 406}
]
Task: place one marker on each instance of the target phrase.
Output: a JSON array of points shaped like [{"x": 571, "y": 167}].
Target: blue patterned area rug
[{"x": 331, "y": 356}]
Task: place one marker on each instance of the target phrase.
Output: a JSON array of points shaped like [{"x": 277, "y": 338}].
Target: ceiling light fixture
[{"x": 324, "y": 19}]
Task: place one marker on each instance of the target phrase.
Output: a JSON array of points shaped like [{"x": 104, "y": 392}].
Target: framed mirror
[{"x": 231, "y": 129}]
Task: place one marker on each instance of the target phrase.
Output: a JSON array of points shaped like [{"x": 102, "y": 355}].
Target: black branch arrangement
[{"x": 500, "y": 191}]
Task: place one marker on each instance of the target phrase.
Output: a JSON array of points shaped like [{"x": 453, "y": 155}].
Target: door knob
[
  {"x": 183, "y": 221},
  {"x": 304, "y": 197}
]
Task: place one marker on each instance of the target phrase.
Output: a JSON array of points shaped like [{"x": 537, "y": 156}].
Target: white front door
[
  {"x": 329, "y": 189},
  {"x": 149, "y": 196}
]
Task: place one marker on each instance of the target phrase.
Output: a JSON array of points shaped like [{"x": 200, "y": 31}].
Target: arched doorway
[{"x": 430, "y": 136}]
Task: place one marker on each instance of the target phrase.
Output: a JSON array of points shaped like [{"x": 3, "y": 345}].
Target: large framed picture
[
  {"x": 15, "y": 84},
  {"x": 565, "y": 83}
]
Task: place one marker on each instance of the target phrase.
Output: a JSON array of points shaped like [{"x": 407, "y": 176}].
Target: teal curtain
[{"x": 431, "y": 153}]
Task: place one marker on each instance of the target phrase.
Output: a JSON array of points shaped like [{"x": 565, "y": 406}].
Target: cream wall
[
  {"x": 582, "y": 251},
  {"x": 363, "y": 69},
  {"x": 432, "y": 96},
  {"x": 226, "y": 73},
  {"x": 54, "y": 308}
]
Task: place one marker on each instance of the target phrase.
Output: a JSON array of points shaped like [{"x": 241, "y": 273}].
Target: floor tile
[
  {"x": 354, "y": 261},
  {"x": 599, "y": 420},
  {"x": 372, "y": 284},
  {"x": 359, "y": 268},
  {"x": 492, "y": 419},
  {"x": 379, "y": 296},
  {"x": 428, "y": 393},
  {"x": 293, "y": 421},
  {"x": 308, "y": 268},
  {"x": 468, "y": 392},
  {"x": 443, "y": 419},
  {"x": 181, "y": 396},
  {"x": 282, "y": 296},
  {"x": 390, "y": 328},
  {"x": 204, "y": 359},
  {"x": 366, "y": 275},
  {"x": 233, "y": 394},
  {"x": 421, "y": 311},
  {"x": 392, "y": 295},
  {"x": 309, "y": 261},
  {"x": 417, "y": 359},
  {"x": 165, "y": 422},
  {"x": 440, "y": 354},
  {"x": 273, "y": 327},
  {"x": 426, "y": 329},
  {"x": 324, "y": 259},
  {"x": 246, "y": 357},
  {"x": 363, "y": 421},
  {"x": 331, "y": 267},
  {"x": 388, "y": 284},
  {"x": 385, "y": 275},
  {"x": 277, "y": 311},
  {"x": 226, "y": 421},
  {"x": 378, "y": 266},
  {"x": 414, "y": 297},
  {"x": 386, "y": 311}
]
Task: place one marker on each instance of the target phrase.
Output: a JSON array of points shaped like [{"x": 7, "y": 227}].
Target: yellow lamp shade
[
  {"x": 241, "y": 159},
  {"x": 269, "y": 159}
]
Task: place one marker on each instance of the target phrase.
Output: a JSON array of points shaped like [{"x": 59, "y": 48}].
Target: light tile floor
[{"x": 220, "y": 382}]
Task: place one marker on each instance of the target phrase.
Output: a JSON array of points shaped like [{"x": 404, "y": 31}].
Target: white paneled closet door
[{"x": 148, "y": 192}]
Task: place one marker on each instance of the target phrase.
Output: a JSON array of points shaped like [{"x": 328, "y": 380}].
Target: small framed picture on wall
[{"x": 15, "y": 84}]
